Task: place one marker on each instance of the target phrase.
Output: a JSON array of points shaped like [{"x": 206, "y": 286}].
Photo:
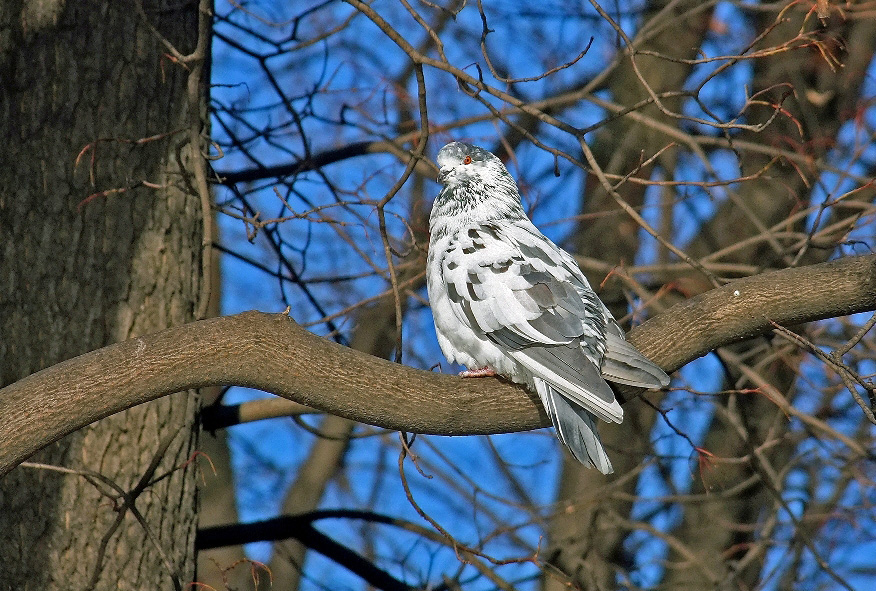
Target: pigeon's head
[
  {"x": 477, "y": 188},
  {"x": 463, "y": 164}
]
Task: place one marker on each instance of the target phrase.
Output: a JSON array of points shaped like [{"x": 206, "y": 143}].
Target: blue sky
[{"x": 343, "y": 91}]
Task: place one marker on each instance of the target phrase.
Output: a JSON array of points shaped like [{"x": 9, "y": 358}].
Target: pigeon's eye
[{"x": 466, "y": 160}]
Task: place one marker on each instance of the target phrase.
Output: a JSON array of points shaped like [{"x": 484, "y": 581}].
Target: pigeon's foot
[{"x": 482, "y": 372}]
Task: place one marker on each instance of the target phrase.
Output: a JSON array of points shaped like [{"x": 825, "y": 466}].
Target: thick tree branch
[
  {"x": 744, "y": 308},
  {"x": 273, "y": 353}
]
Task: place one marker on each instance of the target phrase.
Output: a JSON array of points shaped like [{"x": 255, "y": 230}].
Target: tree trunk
[{"x": 88, "y": 78}]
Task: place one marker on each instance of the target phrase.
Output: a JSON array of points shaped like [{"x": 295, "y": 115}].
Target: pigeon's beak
[{"x": 443, "y": 174}]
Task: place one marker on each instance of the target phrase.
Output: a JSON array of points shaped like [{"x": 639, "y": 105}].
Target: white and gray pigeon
[{"x": 508, "y": 301}]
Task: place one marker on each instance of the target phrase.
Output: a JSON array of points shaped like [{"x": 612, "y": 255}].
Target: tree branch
[
  {"x": 300, "y": 527},
  {"x": 271, "y": 352},
  {"x": 325, "y": 158}
]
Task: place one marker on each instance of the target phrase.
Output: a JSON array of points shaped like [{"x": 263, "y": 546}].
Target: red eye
[{"x": 466, "y": 160}]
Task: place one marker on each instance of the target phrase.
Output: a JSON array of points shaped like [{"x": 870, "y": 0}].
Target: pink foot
[{"x": 482, "y": 372}]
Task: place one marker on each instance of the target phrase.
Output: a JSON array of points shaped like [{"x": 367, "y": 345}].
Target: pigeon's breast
[{"x": 459, "y": 341}]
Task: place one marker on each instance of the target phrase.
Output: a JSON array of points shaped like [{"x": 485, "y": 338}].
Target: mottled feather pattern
[{"x": 505, "y": 297}]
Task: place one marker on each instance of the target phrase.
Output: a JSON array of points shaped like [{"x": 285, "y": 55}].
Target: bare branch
[{"x": 274, "y": 354}]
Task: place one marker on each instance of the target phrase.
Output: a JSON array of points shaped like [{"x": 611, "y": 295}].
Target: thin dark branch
[{"x": 300, "y": 527}]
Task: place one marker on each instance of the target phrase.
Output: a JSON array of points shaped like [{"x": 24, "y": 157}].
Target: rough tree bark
[{"x": 91, "y": 77}]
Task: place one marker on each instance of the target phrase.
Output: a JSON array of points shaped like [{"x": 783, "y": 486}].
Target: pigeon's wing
[
  {"x": 515, "y": 287},
  {"x": 624, "y": 364}
]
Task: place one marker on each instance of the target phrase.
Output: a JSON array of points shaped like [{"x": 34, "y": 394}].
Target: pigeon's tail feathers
[
  {"x": 573, "y": 373},
  {"x": 624, "y": 364},
  {"x": 575, "y": 426}
]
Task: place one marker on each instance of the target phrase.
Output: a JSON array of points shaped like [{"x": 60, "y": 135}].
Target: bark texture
[{"x": 90, "y": 77}]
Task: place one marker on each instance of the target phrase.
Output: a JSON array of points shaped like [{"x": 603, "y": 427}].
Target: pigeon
[{"x": 507, "y": 301}]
